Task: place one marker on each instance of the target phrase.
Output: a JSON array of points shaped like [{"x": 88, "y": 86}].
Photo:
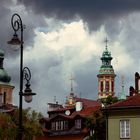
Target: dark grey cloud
[
  {"x": 7, "y": 9},
  {"x": 93, "y": 11},
  {"x": 87, "y": 82},
  {"x": 47, "y": 75}
]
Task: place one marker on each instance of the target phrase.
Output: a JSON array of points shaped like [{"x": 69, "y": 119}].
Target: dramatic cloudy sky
[{"x": 64, "y": 37}]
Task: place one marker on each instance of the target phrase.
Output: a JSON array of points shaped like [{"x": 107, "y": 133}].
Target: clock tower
[{"x": 106, "y": 75}]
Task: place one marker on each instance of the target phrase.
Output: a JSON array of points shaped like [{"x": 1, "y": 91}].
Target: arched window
[
  {"x": 101, "y": 86},
  {"x": 107, "y": 86},
  {"x": 112, "y": 86}
]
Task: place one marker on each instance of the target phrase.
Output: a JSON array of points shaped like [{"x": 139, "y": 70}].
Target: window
[
  {"x": 1, "y": 99},
  {"x": 59, "y": 125},
  {"x": 78, "y": 123},
  {"x": 101, "y": 86},
  {"x": 112, "y": 86},
  {"x": 65, "y": 125},
  {"x": 53, "y": 126},
  {"x": 107, "y": 86},
  {"x": 124, "y": 129}
]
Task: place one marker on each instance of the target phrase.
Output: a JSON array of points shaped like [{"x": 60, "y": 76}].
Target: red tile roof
[
  {"x": 61, "y": 109},
  {"x": 89, "y": 106},
  {"x": 83, "y": 113},
  {"x": 88, "y": 102},
  {"x": 88, "y": 111},
  {"x": 133, "y": 101}
]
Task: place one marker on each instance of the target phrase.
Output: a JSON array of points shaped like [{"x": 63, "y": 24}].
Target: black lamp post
[{"x": 24, "y": 72}]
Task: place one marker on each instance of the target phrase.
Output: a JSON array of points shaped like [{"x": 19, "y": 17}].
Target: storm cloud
[
  {"x": 64, "y": 37},
  {"x": 92, "y": 11}
]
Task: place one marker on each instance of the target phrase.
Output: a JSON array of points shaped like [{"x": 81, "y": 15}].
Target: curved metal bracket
[
  {"x": 16, "y": 22},
  {"x": 27, "y": 74}
]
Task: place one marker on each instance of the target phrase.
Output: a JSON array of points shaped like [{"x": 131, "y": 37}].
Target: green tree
[
  {"x": 109, "y": 100},
  {"x": 96, "y": 123},
  {"x": 30, "y": 121},
  {"x": 7, "y": 127},
  {"x": 9, "y": 124}
]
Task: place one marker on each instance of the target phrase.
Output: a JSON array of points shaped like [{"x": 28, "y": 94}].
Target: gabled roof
[
  {"x": 61, "y": 109},
  {"x": 85, "y": 112},
  {"x": 88, "y": 102},
  {"x": 89, "y": 106},
  {"x": 130, "y": 102}
]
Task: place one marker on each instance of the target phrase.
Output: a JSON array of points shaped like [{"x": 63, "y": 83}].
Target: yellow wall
[{"x": 114, "y": 125}]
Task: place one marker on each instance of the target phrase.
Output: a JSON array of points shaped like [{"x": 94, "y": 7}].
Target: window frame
[
  {"x": 59, "y": 125},
  {"x": 125, "y": 130},
  {"x": 78, "y": 123}
]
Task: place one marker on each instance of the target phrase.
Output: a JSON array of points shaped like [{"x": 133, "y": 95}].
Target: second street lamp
[{"x": 25, "y": 73}]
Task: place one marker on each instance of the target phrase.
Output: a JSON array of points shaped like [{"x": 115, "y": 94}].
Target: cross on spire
[
  {"x": 72, "y": 79},
  {"x": 106, "y": 41}
]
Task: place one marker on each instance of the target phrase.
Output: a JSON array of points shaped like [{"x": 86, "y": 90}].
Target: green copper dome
[
  {"x": 1, "y": 53},
  {"x": 106, "y": 67},
  {"x": 4, "y": 77},
  {"x": 106, "y": 55}
]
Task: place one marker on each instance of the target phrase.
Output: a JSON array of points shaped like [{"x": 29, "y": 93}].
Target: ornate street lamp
[{"x": 25, "y": 73}]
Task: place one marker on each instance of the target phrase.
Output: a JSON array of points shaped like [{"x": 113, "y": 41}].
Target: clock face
[{"x": 67, "y": 112}]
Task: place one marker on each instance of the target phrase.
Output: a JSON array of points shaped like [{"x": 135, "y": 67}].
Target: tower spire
[{"x": 106, "y": 41}]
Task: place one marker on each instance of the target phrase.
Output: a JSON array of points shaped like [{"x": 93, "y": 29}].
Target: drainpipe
[{"x": 106, "y": 113}]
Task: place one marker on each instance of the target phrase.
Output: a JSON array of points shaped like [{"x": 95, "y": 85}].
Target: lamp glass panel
[{"x": 28, "y": 98}]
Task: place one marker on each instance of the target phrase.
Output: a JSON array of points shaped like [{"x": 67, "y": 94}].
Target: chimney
[
  {"x": 131, "y": 91},
  {"x": 137, "y": 78}
]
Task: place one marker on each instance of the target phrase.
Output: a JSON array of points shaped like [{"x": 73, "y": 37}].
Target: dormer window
[
  {"x": 59, "y": 125},
  {"x": 78, "y": 123}
]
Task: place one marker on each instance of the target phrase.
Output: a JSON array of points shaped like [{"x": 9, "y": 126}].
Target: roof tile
[{"x": 133, "y": 101}]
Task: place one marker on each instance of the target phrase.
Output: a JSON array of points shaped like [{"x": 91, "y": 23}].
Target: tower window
[
  {"x": 107, "y": 62},
  {"x": 112, "y": 86},
  {"x": 107, "y": 86},
  {"x": 101, "y": 86}
]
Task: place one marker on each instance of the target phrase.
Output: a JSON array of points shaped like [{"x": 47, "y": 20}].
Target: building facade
[
  {"x": 6, "y": 89},
  {"x": 68, "y": 121},
  {"x": 123, "y": 117}
]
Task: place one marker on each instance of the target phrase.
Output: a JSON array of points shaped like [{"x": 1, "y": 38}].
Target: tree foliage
[
  {"x": 96, "y": 123},
  {"x": 109, "y": 100},
  {"x": 9, "y": 124}
]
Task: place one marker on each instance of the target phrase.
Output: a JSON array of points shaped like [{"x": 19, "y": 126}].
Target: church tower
[
  {"x": 6, "y": 89},
  {"x": 70, "y": 101},
  {"x": 106, "y": 76}
]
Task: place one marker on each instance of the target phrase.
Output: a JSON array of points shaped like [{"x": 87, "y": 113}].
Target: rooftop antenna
[
  {"x": 72, "y": 79},
  {"x": 122, "y": 96},
  {"x": 54, "y": 99},
  {"x": 80, "y": 94}
]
